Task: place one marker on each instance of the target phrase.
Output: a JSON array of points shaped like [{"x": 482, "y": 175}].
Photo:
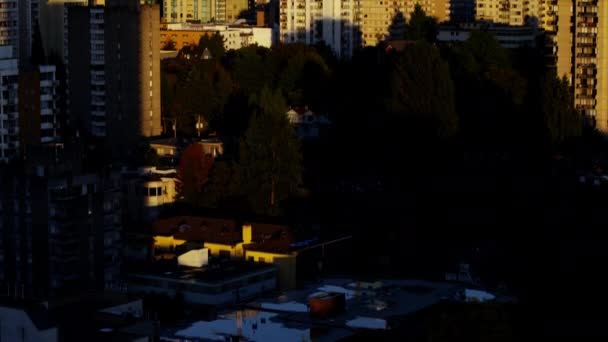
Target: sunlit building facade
[
  {"x": 349, "y": 24},
  {"x": 577, "y": 32},
  {"x": 183, "y": 11},
  {"x": 313, "y": 21}
]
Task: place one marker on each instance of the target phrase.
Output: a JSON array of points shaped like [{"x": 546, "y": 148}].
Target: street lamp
[{"x": 199, "y": 126}]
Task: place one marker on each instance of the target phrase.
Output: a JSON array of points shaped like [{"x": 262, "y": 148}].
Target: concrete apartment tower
[
  {"x": 509, "y": 12},
  {"x": 349, "y": 24},
  {"x": 578, "y": 30},
  {"x": 312, "y": 21},
  {"x": 113, "y": 67},
  {"x": 199, "y": 11},
  {"x": 60, "y": 227}
]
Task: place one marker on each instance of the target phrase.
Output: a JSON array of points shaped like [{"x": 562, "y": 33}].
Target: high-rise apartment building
[
  {"x": 312, "y": 21},
  {"x": 27, "y": 109},
  {"x": 9, "y": 24},
  {"x": 113, "y": 66},
  {"x": 579, "y": 33},
  {"x": 349, "y": 24},
  {"x": 182, "y": 11},
  {"x": 60, "y": 227},
  {"x": 228, "y": 11},
  {"x": 375, "y": 18},
  {"x": 510, "y": 12},
  {"x": 205, "y": 11},
  {"x": 52, "y": 23},
  {"x": 18, "y": 22}
]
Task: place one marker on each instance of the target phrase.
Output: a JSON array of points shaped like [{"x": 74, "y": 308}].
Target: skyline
[{"x": 302, "y": 170}]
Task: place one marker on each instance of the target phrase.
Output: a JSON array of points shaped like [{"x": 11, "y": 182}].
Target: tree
[
  {"x": 193, "y": 173},
  {"x": 421, "y": 26},
  {"x": 422, "y": 91},
  {"x": 169, "y": 45},
  {"x": 562, "y": 120},
  {"x": 269, "y": 167},
  {"x": 250, "y": 71},
  {"x": 487, "y": 50},
  {"x": 221, "y": 185},
  {"x": 215, "y": 44}
]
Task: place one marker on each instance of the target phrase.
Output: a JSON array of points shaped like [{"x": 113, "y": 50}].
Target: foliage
[
  {"x": 250, "y": 69},
  {"x": 221, "y": 185},
  {"x": 421, "y": 26},
  {"x": 562, "y": 120},
  {"x": 193, "y": 173},
  {"x": 487, "y": 50},
  {"x": 215, "y": 44},
  {"x": 422, "y": 90},
  {"x": 169, "y": 45},
  {"x": 269, "y": 166}
]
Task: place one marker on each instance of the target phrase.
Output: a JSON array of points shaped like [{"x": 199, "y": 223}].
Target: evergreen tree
[
  {"x": 422, "y": 91},
  {"x": 214, "y": 43},
  {"x": 562, "y": 120},
  {"x": 421, "y": 26},
  {"x": 269, "y": 167}
]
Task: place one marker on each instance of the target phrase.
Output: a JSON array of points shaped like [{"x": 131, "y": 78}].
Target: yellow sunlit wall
[
  {"x": 167, "y": 242},
  {"x": 216, "y": 248}
]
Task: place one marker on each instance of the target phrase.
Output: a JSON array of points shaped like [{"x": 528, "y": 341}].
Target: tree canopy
[
  {"x": 562, "y": 120},
  {"x": 193, "y": 173},
  {"x": 269, "y": 164},
  {"x": 422, "y": 90}
]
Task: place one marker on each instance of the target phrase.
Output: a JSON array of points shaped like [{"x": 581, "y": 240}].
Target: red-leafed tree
[{"x": 193, "y": 173}]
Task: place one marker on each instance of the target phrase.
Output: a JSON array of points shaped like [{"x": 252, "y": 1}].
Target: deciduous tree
[{"x": 193, "y": 173}]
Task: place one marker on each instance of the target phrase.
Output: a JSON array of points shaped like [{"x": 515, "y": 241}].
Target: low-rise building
[
  {"x": 148, "y": 190},
  {"x": 212, "y": 146},
  {"x": 27, "y": 322},
  {"x": 254, "y": 242},
  {"x": 261, "y": 243},
  {"x": 509, "y": 37},
  {"x": 308, "y": 125},
  {"x": 235, "y": 36},
  {"x": 218, "y": 283}
]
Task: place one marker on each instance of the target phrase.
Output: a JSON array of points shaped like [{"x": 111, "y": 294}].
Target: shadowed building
[
  {"x": 113, "y": 71},
  {"x": 60, "y": 227},
  {"x": 28, "y": 111}
]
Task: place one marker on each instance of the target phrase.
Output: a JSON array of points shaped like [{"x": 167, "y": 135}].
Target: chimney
[{"x": 247, "y": 233}]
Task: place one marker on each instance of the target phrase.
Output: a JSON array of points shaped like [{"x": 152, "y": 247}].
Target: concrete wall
[
  {"x": 228, "y": 297},
  {"x": 286, "y": 266},
  {"x": 149, "y": 71},
  {"x": 564, "y": 39},
  {"x": 15, "y": 325}
]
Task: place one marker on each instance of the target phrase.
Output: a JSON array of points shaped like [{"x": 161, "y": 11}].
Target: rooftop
[
  {"x": 265, "y": 237},
  {"x": 218, "y": 271},
  {"x": 36, "y": 311},
  {"x": 370, "y": 306}
]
